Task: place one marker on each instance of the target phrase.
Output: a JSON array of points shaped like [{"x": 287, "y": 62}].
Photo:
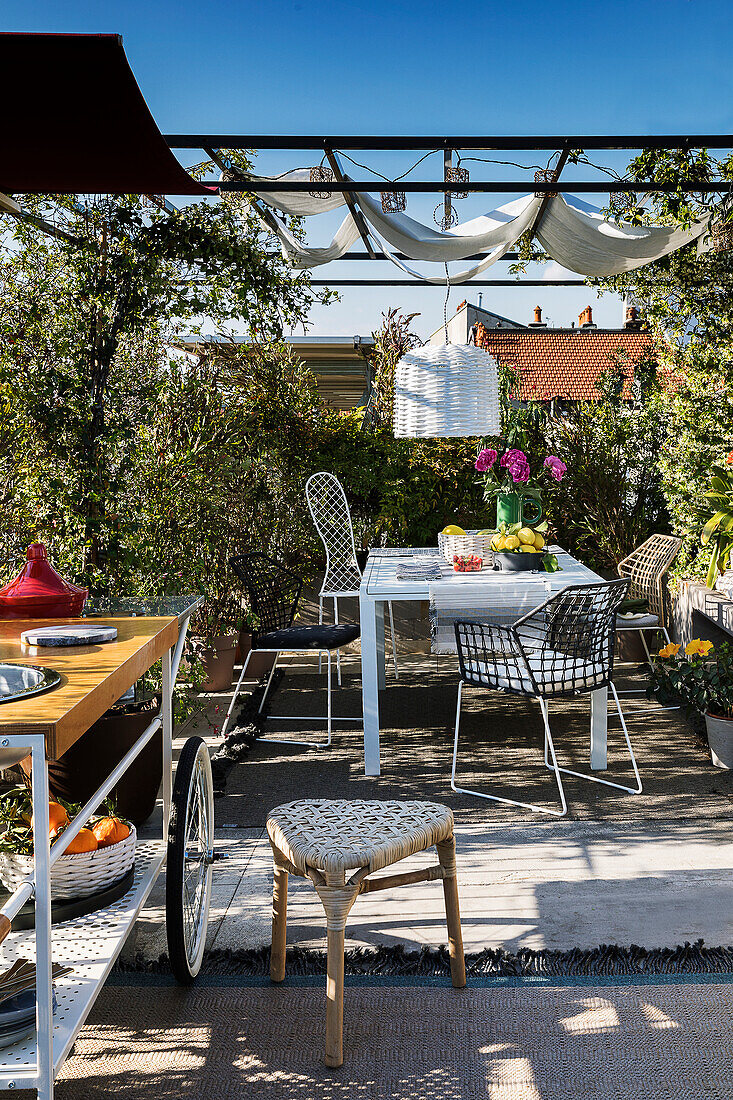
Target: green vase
[{"x": 512, "y": 507}]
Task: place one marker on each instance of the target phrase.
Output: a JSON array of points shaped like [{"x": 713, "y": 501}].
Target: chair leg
[
  {"x": 338, "y": 651},
  {"x": 320, "y": 623},
  {"x": 636, "y": 691},
  {"x": 335, "y": 997},
  {"x": 447, "y": 857},
  {"x": 237, "y": 689},
  {"x": 607, "y": 782},
  {"x": 330, "y": 717},
  {"x": 394, "y": 644},
  {"x": 511, "y": 801},
  {"x": 267, "y": 685},
  {"x": 279, "y": 923}
]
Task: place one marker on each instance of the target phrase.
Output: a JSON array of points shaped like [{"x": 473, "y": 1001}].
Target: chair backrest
[
  {"x": 563, "y": 647},
  {"x": 645, "y": 567},
  {"x": 329, "y": 509},
  {"x": 272, "y": 591}
]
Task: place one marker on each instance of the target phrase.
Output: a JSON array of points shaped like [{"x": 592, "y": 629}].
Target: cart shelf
[{"x": 90, "y": 944}]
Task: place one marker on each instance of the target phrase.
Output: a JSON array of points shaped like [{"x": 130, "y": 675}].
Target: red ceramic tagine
[{"x": 39, "y": 592}]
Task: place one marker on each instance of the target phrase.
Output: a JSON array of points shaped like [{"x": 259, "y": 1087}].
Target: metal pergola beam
[
  {"x": 415, "y": 283},
  {"x": 473, "y": 142},
  {"x": 476, "y": 186}
]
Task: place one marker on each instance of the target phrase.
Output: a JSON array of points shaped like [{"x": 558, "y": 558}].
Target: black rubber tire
[{"x": 181, "y": 965}]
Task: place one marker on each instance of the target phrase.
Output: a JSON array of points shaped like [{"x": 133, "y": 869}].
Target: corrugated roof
[{"x": 564, "y": 362}]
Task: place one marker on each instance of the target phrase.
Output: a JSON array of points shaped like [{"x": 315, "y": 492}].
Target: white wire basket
[
  {"x": 76, "y": 875},
  {"x": 470, "y": 543}
]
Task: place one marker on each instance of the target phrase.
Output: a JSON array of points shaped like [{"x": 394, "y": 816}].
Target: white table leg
[
  {"x": 599, "y": 729},
  {"x": 369, "y": 682},
  {"x": 381, "y": 673}
]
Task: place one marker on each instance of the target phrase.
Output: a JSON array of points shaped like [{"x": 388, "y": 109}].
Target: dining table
[{"x": 508, "y": 595}]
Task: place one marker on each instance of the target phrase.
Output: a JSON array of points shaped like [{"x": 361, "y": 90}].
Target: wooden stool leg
[
  {"x": 335, "y": 998},
  {"x": 279, "y": 924},
  {"x": 447, "y": 857},
  {"x": 337, "y": 901}
]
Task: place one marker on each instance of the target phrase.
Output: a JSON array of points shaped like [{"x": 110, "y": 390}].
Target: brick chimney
[
  {"x": 632, "y": 318},
  {"x": 585, "y": 320},
  {"x": 538, "y": 322}
]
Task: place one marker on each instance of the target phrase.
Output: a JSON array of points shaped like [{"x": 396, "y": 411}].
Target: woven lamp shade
[{"x": 446, "y": 390}]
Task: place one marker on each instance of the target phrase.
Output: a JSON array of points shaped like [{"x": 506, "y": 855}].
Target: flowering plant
[
  {"x": 511, "y": 473},
  {"x": 700, "y": 676}
]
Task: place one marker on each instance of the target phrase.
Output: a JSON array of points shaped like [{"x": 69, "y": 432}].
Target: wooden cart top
[{"x": 93, "y": 677}]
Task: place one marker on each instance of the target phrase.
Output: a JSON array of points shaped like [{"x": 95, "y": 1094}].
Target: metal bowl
[
  {"x": 18, "y": 681},
  {"x": 519, "y": 563}
]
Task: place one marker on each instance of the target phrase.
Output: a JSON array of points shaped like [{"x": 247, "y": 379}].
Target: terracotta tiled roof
[{"x": 563, "y": 362}]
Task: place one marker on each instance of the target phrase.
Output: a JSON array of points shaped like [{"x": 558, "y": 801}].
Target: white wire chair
[
  {"x": 330, "y": 513},
  {"x": 563, "y": 647}
]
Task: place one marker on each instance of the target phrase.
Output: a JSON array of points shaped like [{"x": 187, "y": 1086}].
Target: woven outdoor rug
[
  {"x": 409, "y": 1039},
  {"x": 500, "y": 752}
]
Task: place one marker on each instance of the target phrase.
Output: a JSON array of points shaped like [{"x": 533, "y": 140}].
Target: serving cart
[{"x": 92, "y": 678}]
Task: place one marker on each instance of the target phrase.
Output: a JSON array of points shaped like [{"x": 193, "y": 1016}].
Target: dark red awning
[{"x": 75, "y": 121}]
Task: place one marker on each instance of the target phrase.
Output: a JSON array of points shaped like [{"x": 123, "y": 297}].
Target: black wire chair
[
  {"x": 563, "y": 647},
  {"x": 274, "y": 593}
]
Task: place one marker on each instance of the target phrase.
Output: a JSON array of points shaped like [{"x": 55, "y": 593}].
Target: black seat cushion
[{"x": 309, "y": 637}]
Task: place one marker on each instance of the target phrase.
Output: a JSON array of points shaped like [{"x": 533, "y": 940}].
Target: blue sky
[{"x": 291, "y": 66}]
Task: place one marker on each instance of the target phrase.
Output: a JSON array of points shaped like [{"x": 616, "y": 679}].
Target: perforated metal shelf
[{"x": 90, "y": 944}]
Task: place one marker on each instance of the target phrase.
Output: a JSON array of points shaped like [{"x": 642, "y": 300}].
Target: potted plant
[
  {"x": 508, "y": 481},
  {"x": 701, "y": 678}
]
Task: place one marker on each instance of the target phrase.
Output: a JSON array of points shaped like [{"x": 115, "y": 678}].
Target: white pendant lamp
[{"x": 446, "y": 390}]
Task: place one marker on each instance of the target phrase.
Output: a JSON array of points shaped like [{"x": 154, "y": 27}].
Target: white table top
[{"x": 380, "y": 575}]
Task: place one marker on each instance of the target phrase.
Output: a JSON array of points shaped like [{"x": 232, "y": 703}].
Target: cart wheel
[{"x": 189, "y": 860}]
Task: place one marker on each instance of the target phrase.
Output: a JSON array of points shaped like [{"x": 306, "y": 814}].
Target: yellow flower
[
  {"x": 696, "y": 646},
  {"x": 670, "y": 650}
]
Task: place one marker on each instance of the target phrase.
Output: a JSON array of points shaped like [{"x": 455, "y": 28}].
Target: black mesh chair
[
  {"x": 563, "y": 647},
  {"x": 273, "y": 593}
]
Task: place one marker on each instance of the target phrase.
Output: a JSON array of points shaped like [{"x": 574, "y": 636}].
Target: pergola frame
[{"x": 554, "y": 145}]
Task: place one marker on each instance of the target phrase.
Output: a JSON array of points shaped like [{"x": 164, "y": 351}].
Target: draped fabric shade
[{"x": 572, "y": 232}]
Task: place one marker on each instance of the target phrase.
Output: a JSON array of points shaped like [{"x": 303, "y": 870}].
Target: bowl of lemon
[{"x": 518, "y": 548}]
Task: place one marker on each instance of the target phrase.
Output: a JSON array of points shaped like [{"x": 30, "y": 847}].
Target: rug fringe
[{"x": 607, "y": 960}]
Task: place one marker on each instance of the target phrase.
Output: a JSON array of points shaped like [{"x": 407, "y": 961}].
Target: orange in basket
[
  {"x": 110, "y": 830},
  {"x": 84, "y": 841}
]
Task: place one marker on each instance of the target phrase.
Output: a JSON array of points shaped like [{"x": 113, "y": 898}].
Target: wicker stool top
[{"x": 336, "y": 835}]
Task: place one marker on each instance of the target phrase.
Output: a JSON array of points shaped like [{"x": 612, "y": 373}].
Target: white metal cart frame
[{"x": 91, "y": 943}]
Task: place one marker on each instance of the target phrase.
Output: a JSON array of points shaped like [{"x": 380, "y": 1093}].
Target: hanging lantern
[
  {"x": 393, "y": 202},
  {"x": 449, "y": 216},
  {"x": 458, "y": 175},
  {"x": 446, "y": 390},
  {"x": 321, "y": 174},
  {"x": 545, "y": 175}
]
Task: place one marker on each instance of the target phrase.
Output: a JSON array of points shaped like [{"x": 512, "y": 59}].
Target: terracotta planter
[
  {"x": 217, "y": 657},
  {"x": 720, "y": 740},
  {"x": 84, "y": 767},
  {"x": 260, "y": 664}
]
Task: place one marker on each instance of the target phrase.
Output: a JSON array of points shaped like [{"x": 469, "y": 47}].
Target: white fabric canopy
[
  {"x": 573, "y": 233},
  {"x": 498, "y": 228},
  {"x": 580, "y": 238},
  {"x": 299, "y": 203}
]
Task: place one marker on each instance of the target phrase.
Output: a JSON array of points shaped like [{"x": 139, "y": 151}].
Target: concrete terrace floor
[{"x": 562, "y": 885}]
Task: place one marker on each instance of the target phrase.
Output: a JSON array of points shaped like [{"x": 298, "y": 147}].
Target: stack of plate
[{"x": 18, "y": 1010}]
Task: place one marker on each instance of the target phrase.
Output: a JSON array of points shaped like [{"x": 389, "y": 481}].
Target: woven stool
[{"x": 337, "y": 844}]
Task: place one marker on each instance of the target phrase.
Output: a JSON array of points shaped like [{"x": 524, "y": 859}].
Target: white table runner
[{"x": 495, "y": 596}]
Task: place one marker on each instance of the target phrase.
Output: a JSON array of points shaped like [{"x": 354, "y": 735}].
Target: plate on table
[{"x": 73, "y": 634}]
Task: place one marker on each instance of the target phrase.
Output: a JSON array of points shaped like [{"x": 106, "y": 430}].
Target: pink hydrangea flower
[
  {"x": 519, "y": 471},
  {"x": 556, "y": 466},
  {"x": 511, "y": 456},
  {"x": 485, "y": 460}
]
